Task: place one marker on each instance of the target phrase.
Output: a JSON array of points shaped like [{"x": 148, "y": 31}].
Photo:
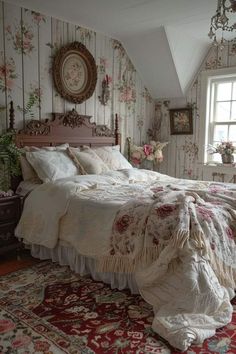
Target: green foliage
[
  {"x": 32, "y": 101},
  {"x": 9, "y": 160}
]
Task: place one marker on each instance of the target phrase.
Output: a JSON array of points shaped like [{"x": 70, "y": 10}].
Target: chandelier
[{"x": 222, "y": 20}]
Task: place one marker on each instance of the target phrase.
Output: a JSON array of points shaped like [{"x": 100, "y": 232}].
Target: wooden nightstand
[{"x": 10, "y": 211}]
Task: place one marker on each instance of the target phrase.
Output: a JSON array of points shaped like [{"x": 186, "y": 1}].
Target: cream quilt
[{"x": 176, "y": 236}]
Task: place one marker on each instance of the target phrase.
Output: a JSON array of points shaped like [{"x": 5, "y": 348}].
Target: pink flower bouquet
[
  {"x": 149, "y": 152},
  {"x": 224, "y": 148}
]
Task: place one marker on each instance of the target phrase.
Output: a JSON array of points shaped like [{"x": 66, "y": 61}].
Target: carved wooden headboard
[{"x": 71, "y": 127}]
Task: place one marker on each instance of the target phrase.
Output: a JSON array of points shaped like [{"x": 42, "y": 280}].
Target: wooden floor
[{"x": 13, "y": 261}]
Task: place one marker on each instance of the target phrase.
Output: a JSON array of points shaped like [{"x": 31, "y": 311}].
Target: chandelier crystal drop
[{"x": 222, "y": 20}]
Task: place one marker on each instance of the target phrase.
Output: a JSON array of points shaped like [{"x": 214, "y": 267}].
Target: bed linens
[
  {"x": 28, "y": 172},
  {"x": 112, "y": 157},
  {"x": 67, "y": 255},
  {"x": 51, "y": 165},
  {"x": 87, "y": 160},
  {"x": 85, "y": 208},
  {"x": 25, "y": 187}
]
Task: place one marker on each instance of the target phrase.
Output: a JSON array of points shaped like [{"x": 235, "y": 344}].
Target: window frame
[{"x": 207, "y": 108}]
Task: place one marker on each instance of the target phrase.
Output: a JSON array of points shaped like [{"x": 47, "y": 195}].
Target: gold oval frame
[{"x": 74, "y": 72}]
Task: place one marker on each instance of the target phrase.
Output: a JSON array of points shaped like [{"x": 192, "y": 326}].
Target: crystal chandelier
[{"x": 221, "y": 21}]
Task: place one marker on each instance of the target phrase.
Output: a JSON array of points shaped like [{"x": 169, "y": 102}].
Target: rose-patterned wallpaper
[
  {"x": 28, "y": 42},
  {"x": 181, "y": 156}
]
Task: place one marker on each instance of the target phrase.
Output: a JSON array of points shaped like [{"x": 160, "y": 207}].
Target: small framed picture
[{"x": 181, "y": 121}]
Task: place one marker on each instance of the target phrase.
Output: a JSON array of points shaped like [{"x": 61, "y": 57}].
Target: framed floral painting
[
  {"x": 181, "y": 121},
  {"x": 75, "y": 72}
]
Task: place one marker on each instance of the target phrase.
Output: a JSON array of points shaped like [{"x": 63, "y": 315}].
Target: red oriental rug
[{"x": 49, "y": 309}]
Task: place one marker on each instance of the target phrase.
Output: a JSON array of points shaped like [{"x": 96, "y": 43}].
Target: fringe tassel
[
  {"x": 225, "y": 274},
  {"x": 198, "y": 239},
  {"x": 125, "y": 264},
  {"x": 179, "y": 238}
]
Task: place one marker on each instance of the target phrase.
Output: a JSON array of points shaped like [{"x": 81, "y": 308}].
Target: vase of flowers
[
  {"x": 226, "y": 149},
  {"x": 227, "y": 158},
  {"x": 148, "y": 155}
]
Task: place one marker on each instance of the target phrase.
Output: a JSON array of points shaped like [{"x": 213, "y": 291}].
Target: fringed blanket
[
  {"x": 142, "y": 230},
  {"x": 181, "y": 246}
]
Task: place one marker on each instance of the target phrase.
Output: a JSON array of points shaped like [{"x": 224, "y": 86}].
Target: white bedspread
[{"x": 81, "y": 210}]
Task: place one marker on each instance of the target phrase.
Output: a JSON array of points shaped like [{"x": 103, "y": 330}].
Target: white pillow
[
  {"x": 28, "y": 173},
  {"x": 88, "y": 160},
  {"x": 112, "y": 157},
  {"x": 51, "y": 165}
]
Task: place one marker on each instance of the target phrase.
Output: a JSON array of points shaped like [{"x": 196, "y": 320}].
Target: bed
[{"x": 135, "y": 229}]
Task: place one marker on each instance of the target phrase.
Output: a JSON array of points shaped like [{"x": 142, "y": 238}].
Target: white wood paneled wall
[
  {"x": 28, "y": 41},
  {"x": 181, "y": 157}
]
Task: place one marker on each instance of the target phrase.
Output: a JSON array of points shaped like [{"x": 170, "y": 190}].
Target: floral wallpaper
[
  {"x": 181, "y": 157},
  {"x": 29, "y": 40}
]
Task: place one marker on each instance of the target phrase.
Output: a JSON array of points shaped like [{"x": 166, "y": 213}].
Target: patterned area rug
[{"x": 49, "y": 309}]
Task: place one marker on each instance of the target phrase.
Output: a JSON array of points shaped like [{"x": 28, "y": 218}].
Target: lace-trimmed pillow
[
  {"x": 28, "y": 173},
  {"x": 51, "y": 165},
  {"x": 87, "y": 161}
]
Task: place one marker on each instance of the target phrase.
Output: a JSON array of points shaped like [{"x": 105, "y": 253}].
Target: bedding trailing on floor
[{"x": 177, "y": 237}]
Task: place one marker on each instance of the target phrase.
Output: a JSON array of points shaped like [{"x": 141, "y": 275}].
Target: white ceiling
[{"x": 166, "y": 39}]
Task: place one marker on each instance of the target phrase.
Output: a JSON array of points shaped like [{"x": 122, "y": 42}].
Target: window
[
  {"x": 222, "y": 125},
  {"x": 220, "y": 111}
]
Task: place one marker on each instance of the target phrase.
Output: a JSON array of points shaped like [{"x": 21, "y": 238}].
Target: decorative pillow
[
  {"x": 112, "y": 157},
  {"x": 87, "y": 161},
  {"x": 73, "y": 157},
  {"x": 51, "y": 165},
  {"x": 28, "y": 173}
]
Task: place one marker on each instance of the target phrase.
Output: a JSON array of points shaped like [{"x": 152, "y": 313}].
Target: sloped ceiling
[{"x": 166, "y": 39}]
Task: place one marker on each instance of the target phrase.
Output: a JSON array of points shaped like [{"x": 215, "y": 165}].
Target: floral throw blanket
[
  {"x": 181, "y": 246},
  {"x": 206, "y": 218}
]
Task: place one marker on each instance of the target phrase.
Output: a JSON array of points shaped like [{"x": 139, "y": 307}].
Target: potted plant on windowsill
[
  {"x": 9, "y": 161},
  {"x": 226, "y": 149}
]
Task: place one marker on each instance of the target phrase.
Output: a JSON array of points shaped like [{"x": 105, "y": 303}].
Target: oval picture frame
[{"x": 74, "y": 72}]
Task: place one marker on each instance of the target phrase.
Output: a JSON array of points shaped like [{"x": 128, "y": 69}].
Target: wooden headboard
[{"x": 70, "y": 127}]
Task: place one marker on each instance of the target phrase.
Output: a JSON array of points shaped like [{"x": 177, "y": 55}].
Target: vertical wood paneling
[
  {"x": 138, "y": 119},
  {"x": 91, "y": 46},
  {"x": 182, "y": 156},
  {"x": 57, "y": 42},
  {"x": 232, "y": 54},
  {"x": 3, "y": 94},
  {"x": 118, "y": 59},
  {"x": 122, "y": 104},
  {"x": 30, "y": 56},
  {"x": 108, "y": 71},
  {"x": 101, "y": 64},
  {"x": 223, "y": 56},
  {"x": 115, "y": 80},
  {"x": 13, "y": 59},
  {"x": 68, "y": 37},
  {"x": 45, "y": 62},
  {"x": 33, "y": 69}
]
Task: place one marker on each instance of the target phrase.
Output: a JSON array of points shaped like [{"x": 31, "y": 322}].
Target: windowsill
[{"x": 220, "y": 167}]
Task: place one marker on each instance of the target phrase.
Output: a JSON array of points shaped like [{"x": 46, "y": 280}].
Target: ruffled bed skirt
[{"x": 83, "y": 265}]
